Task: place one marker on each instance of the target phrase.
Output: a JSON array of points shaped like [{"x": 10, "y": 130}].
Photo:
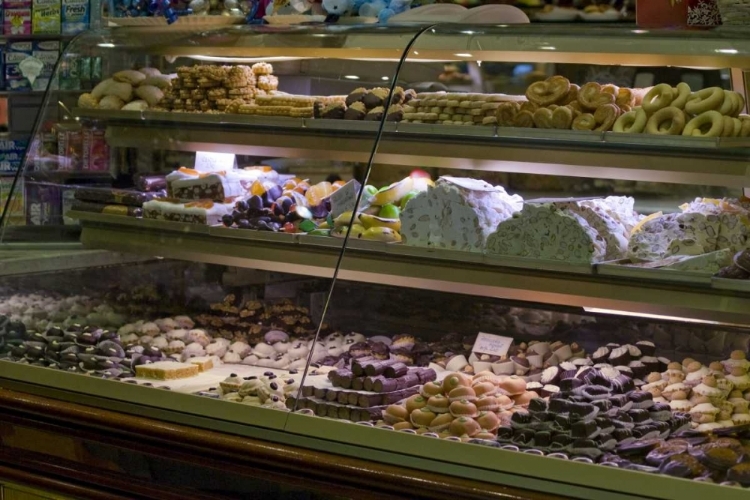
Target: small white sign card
[
  {"x": 494, "y": 345},
  {"x": 215, "y": 162},
  {"x": 345, "y": 198}
]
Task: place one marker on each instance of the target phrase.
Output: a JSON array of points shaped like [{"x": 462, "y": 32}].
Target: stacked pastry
[
  {"x": 40, "y": 311},
  {"x": 362, "y": 393},
  {"x": 206, "y": 88},
  {"x": 367, "y": 104},
  {"x": 295, "y": 106},
  {"x": 456, "y": 109},
  {"x": 711, "y": 112},
  {"x": 715, "y": 396},
  {"x": 267, "y": 391},
  {"x": 461, "y": 405},
  {"x": 131, "y": 90}
]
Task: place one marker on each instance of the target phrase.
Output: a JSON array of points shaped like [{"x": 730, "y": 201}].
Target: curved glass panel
[
  {"x": 512, "y": 218},
  {"x": 202, "y": 173}
]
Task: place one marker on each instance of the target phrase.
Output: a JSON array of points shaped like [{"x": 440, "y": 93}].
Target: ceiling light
[{"x": 351, "y": 77}]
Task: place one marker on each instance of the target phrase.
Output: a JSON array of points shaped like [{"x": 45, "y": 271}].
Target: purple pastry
[{"x": 274, "y": 336}]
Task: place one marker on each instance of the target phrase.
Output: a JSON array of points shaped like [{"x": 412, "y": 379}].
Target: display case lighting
[
  {"x": 241, "y": 60},
  {"x": 106, "y": 45},
  {"x": 351, "y": 77},
  {"x": 726, "y": 51},
  {"x": 549, "y": 47},
  {"x": 386, "y": 78},
  {"x": 463, "y": 54},
  {"x": 682, "y": 319}
]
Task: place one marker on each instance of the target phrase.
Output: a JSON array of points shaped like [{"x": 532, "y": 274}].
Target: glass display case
[{"x": 493, "y": 252}]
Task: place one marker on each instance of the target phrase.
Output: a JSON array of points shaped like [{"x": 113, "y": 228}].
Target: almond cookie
[
  {"x": 237, "y": 83},
  {"x": 207, "y": 83},
  {"x": 244, "y": 91},
  {"x": 216, "y": 93},
  {"x": 268, "y": 82},
  {"x": 262, "y": 68},
  {"x": 197, "y": 94},
  {"x": 188, "y": 83},
  {"x": 186, "y": 71}
]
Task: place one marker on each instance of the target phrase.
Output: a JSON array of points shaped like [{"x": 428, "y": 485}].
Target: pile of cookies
[
  {"x": 366, "y": 104},
  {"x": 207, "y": 88},
  {"x": 456, "y": 109},
  {"x": 279, "y": 104}
]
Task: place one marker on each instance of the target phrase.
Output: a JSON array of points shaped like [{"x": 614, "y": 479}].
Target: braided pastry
[
  {"x": 592, "y": 96},
  {"x": 550, "y": 91}
]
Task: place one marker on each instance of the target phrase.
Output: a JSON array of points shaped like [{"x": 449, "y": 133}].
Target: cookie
[
  {"x": 267, "y": 82},
  {"x": 262, "y": 68}
]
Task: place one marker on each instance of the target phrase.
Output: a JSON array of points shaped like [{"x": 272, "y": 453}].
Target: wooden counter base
[{"x": 97, "y": 454}]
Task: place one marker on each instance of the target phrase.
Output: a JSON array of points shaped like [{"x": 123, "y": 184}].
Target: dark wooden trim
[
  {"x": 324, "y": 472},
  {"x": 47, "y": 484}
]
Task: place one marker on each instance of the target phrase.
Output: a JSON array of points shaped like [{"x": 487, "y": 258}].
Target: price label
[
  {"x": 345, "y": 198},
  {"x": 214, "y": 162},
  {"x": 494, "y": 345}
]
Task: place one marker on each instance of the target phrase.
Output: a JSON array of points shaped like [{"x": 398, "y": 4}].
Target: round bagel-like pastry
[
  {"x": 562, "y": 117},
  {"x": 708, "y": 124},
  {"x": 543, "y": 118},
  {"x": 657, "y": 98},
  {"x": 740, "y": 104},
  {"x": 506, "y": 113},
  {"x": 465, "y": 426},
  {"x": 682, "y": 94},
  {"x": 666, "y": 121},
  {"x": 463, "y": 408},
  {"x": 729, "y": 103},
  {"x": 584, "y": 121},
  {"x": 550, "y": 91},
  {"x": 728, "y": 130},
  {"x": 709, "y": 99},
  {"x": 605, "y": 117},
  {"x": 632, "y": 122},
  {"x": 591, "y": 96},
  {"x": 524, "y": 119},
  {"x": 745, "y": 127}
]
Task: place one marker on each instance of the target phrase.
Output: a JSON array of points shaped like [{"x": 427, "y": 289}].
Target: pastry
[{"x": 165, "y": 370}]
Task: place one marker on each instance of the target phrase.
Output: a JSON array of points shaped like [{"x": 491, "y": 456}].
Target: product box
[
  {"x": 29, "y": 65},
  {"x": 11, "y": 155},
  {"x": 16, "y": 209},
  {"x": 17, "y": 21},
  {"x": 76, "y": 15},
  {"x": 95, "y": 150},
  {"x": 677, "y": 13},
  {"x": 16, "y": 53},
  {"x": 70, "y": 146},
  {"x": 46, "y": 16},
  {"x": 48, "y": 52},
  {"x": 43, "y": 204}
]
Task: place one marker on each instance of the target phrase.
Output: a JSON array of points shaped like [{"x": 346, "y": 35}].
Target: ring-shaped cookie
[
  {"x": 705, "y": 100},
  {"x": 666, "y": 121},
  {"x": 708, "y": 124},
  {"x": 683, "y": 92},
  {"x": 550, "y": 91},
  {"x": 728, "y": 130},
  {"x": 657, "y": 98},
  {"x": 740, "y": 104},
  {"x": 745, "y": 128},
  {"x": 728, "y": 105},
  {"x": 632, "y": 122},
  {"x": 737, "y": 127}
]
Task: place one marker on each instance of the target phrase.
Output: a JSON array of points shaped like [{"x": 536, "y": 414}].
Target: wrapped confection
[
  {"x": 188, "y": 184},
  {"x": 197, "y": 212},
  {"x": 458, "y": 214}
]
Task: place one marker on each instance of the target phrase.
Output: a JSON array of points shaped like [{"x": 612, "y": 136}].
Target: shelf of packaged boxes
[
  {"x": 639, "y": 157},
  {"x": 578, "y": 286}
]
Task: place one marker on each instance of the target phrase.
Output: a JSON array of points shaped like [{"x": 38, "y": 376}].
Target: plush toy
[
  {"x": 381, "y": 9},
  {"x": 336, "y": 9}
]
